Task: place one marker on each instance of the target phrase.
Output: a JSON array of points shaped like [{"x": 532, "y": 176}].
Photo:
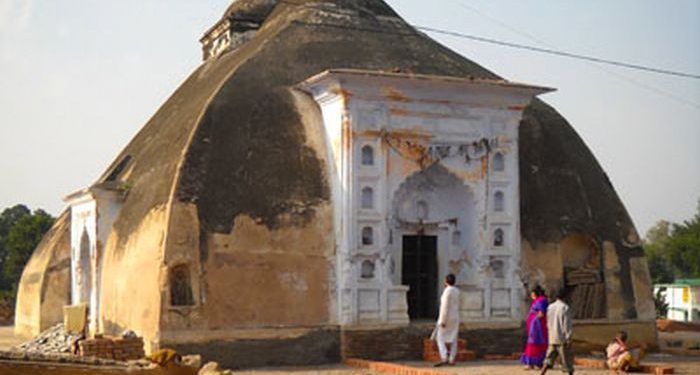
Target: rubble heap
[{"x": 54, "y": 340}]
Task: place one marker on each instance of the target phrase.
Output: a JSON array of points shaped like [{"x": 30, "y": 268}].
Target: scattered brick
[
  {"x": 390, "y": 368},
  {"x": 501, "y": 357},
  {"x": 431, "y": 353},
  {"x": 646, "y": 369}
]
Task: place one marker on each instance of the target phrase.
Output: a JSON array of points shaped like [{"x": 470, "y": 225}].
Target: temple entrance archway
[
  {"x": 420, "y": 274},
  {"x": 435, "y": 232}
]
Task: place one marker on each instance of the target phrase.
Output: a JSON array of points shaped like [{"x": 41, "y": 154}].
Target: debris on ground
[
  {"x": 664, "y": 325},
  {"x": 164, "y": 356},
  {"x": 212, "y": 368},
  {"x": 194, "y": 361},
  {"x": 54, "y": 340}
]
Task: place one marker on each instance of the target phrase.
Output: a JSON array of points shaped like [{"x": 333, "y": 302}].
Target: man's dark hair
[
  {"x": 622, "y": 335},
  {"x": 450, "y": 279},
  {"x": 560, "y": 294}
]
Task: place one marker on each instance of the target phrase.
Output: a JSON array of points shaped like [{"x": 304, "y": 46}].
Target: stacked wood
[
  {"x": 582, "y": 276},
  {"x": 588, "y": 301}
]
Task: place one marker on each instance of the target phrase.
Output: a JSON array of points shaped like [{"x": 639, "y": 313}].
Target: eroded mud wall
[
  {"x": 576, "y": 233},
  {"x": 45, "y": 284},
  {"x": 131, "y": 285},
  {"x": 259, "y": 248}
]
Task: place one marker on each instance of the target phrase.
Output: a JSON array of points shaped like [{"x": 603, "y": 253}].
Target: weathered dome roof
[
  {"x": 250, "y": 9},
  {"x": 231, "y": 140}
]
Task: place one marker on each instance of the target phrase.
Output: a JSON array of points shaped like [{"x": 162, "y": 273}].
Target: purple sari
[{"x": 536, "y": 347}]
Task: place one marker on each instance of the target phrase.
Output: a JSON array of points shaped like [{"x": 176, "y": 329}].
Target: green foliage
[
  {"x": 20, "y": 233},
  {"x": 673, "y": 250},
  {"x": 655, "y": 247},
  {"x": 8, "y": 218},
  {"x": 660, "y": 304}
]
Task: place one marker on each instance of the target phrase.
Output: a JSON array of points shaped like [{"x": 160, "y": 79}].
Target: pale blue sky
[{"x": 79, "y": 78}]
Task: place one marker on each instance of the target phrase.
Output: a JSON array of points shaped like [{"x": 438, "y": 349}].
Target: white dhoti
[{"x": 448, "y": 324}]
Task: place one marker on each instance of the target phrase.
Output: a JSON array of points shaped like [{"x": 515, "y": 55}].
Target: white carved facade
[
  {"x": 423, "y": 166},
  {"x": 93, "y": 212}
]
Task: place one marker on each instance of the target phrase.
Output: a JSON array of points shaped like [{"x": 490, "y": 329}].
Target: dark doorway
[{"x": 419, "y": 272}]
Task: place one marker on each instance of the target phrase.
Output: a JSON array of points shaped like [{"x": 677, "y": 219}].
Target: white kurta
[
  {"x": 449, "y": 315},
  {"x": 559, "y": 324}
]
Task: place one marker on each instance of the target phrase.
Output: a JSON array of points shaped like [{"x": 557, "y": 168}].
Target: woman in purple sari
[{"x": 536, "y": 325}]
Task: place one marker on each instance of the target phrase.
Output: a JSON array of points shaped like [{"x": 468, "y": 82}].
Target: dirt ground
[
  {"x": 683, "y": 365},
  {"x": 332, "y": 370},
  {"x": 7, "y": 337}
]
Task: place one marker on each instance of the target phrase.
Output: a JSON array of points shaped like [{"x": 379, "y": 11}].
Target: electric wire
[
  {"x": 558, "y": 52},
  {"x": 551, "y": 51},
  {"x": 535, "y": 39}
]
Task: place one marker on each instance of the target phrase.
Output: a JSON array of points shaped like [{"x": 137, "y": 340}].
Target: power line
[
  {"x": 550, "y": 51},
  {"x": 619, "y": 76},
  {"x": 559, "y": 53}
]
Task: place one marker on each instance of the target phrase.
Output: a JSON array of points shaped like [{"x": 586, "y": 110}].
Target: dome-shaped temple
[{"x": 238, "y": 205}]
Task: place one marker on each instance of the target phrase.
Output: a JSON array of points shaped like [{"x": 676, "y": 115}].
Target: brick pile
[
  {"x": 431, "y": 353},
  {"x": 390, "y": 368},
  {"x": 646, "y": 369},
  {"x": 128, "y": 348},
  {"x": 97, "y": 347},
  {"x": 119, "y": 348}
]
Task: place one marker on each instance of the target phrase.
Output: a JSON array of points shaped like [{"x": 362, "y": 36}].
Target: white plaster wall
[
  {"x": 93, "y": 212},
  {"x": 682, "y": 310},
  {"x": 376, "y": 111},
  {"x": 83, "y": 217}
]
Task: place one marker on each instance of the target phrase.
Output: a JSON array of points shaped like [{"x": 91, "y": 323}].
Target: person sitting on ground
[{"x": 621, "y": 357}]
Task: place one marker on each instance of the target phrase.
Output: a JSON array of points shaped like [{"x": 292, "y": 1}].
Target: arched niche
[
  {"x": 180, "y": 285},
  {"x": 367, "y": 269},
  {"x": 498, "y": 237},
  {"x": 499, "y": 201},
  {"x": 499, "y": 164},
  {"x": 367, "y": 155},
  {"x": 367, "y": 198},
  {"x": 367, "y": 236}
]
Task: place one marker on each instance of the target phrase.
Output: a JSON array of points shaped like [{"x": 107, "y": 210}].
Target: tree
[
  {"x": 20, "y": 232},
  {"x": 21, "y": 241},
  {"x": 684, "y": 248},
  {"x": 660, "y": 269},
  {"x": 8, "y": 218},
  {"x": 655, "y": 247},
  {"x": 661, "y": 304},
  {"x": 673, "y": 250}
]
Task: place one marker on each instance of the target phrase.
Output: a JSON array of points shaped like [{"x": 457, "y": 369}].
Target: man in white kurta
[
  {"x": 560, "y": 328},
  {"x": 448, "y": 321}
]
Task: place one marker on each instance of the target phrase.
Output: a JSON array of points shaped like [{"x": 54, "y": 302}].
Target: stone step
[{"x": 431, "y": 353}]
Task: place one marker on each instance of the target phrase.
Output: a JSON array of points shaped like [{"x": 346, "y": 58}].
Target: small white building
[{"x": 683, "y": 298}]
